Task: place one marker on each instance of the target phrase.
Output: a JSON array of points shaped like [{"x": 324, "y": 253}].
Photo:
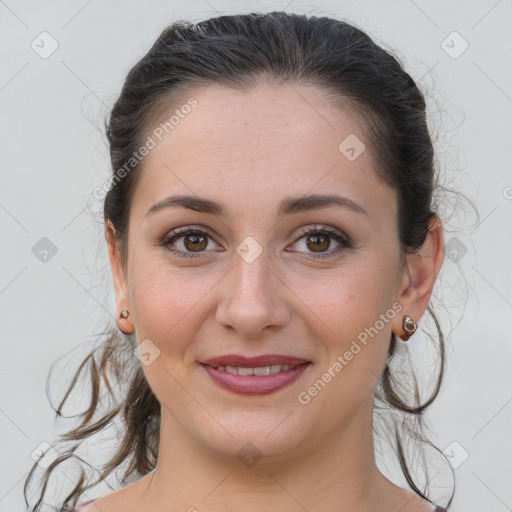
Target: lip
[
  {"x": 253, "y": 362},
  {"x": 254, "y": 384}
]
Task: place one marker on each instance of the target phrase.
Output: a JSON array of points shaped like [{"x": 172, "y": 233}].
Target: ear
[
  {"x": 419, "y": 276},
  {"x": 120, "y": 284}
]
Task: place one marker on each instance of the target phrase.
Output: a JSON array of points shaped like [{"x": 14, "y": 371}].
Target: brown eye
[
  {"x": 188, "y": 242},
  {"x": 318, "y": 243},
  {"x": 195, "y": 242},
  {"x": 318, "y": 240}
]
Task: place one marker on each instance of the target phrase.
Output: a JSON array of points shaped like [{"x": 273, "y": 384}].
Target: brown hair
[{"x": 237, "y": 51}]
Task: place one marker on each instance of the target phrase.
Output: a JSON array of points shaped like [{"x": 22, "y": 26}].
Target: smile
[
  {"x": 258, "y": 380},
  {"x": 260, "y": 370}
]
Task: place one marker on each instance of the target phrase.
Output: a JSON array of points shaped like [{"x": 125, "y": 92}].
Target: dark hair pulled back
[{"x": 239, "y": 52}]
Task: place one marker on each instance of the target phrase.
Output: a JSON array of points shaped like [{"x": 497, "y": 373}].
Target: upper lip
[{"x": 253, "y": 362}]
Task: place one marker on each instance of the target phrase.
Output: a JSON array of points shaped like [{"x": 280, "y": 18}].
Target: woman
[{"x": 271, "y": 233}]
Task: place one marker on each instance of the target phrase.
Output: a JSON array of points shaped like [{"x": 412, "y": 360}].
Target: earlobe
[
  {"x": 409, "y": 327},
  {"x": 420, "y": 276},
  {"x": 124, "y": 321}
]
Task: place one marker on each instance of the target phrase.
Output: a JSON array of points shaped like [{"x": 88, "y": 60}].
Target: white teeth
[
  {"x": 246, "y": 371},
  {"x": 260, "y": 370}
]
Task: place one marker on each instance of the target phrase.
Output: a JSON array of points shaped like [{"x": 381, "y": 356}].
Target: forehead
[{"x": 269, "y": 141}]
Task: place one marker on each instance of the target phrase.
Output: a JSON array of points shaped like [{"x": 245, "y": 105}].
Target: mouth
[
  {"x": 258, "y": 370},
  {"x": 257, "y": 375}
]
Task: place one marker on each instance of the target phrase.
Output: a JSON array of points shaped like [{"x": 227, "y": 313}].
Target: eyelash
[{"x": 342, "y": 239}]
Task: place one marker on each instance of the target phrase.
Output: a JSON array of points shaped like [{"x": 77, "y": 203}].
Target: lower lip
[{"x": 255, "y": 384}]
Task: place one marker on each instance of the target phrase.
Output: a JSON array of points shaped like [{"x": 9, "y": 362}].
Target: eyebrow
[{"x": 287, "y": 206}]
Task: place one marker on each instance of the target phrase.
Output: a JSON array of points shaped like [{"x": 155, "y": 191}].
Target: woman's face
[{"x": 253, "y": 282}]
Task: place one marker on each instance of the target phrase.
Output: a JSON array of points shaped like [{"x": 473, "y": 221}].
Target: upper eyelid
[
  {"x": 321, "y": 229},
  {"x": 302, "y": 232}
]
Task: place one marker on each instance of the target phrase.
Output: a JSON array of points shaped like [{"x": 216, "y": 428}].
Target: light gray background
[{"x": 54, "y": 154}]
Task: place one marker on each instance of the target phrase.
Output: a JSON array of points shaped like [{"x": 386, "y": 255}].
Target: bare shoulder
[
  {"x": 408, "y": 501},
  {"x": 109, "y": 503},
  {"x": 122, "y": 499},
  {"x": 417, "y": 504}
]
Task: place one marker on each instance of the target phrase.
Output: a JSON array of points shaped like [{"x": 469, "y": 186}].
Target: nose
[{"x": 254, "y": 298}]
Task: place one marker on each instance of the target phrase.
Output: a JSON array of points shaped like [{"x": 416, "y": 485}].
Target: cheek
[
  {"x": 349, "y": 301},
  {"x": 165, "y": 301},
  {"x": 356, "y": 307},
  {"x": 345, "y": 379}
]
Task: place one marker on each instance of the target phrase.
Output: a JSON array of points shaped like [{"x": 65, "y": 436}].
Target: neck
[{"x": 338, "y": 473}]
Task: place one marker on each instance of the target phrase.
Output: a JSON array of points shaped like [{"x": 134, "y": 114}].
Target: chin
[{"x": 256, "y": 435}]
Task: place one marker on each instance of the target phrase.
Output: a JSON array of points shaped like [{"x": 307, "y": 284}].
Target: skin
[{"x": 249, "y": 150}]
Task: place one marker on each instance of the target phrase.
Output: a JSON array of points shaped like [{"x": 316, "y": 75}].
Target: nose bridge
[{"x": 252, "y": 298}]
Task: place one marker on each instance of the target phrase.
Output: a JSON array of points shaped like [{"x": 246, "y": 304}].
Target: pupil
[
  {"x": 197, "y": 239},
  {"x": 317, "y": 238}
]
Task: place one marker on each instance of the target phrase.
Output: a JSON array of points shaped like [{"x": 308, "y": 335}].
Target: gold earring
[{"x": 409, "y": 326}]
